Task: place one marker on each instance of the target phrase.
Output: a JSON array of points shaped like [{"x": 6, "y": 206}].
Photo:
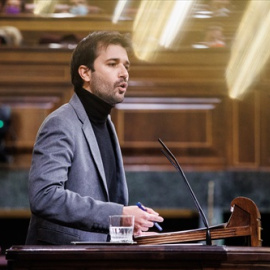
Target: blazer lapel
[
  {"x": 90, "y": 137},
  {"x": 123, "y": 195}
]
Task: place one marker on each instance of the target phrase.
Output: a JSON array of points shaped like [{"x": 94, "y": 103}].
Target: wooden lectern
[
  {"x": 161, "y": 251},
  {"x": 245, "y": 220}
]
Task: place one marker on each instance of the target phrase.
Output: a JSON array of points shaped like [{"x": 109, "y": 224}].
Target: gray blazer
[{"x": 68, "y": 194}]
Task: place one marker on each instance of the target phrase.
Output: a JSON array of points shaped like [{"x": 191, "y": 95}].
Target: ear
[{"x": 85, "y": 73}]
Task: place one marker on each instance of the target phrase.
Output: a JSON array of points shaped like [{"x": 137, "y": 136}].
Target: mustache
[{"x": 123, "y": 80}]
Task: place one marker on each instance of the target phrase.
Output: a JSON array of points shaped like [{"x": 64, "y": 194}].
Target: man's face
[{"x": 109, "y": 80}]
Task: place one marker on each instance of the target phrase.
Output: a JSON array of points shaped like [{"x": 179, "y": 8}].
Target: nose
[{"x": 124, "y": 73}]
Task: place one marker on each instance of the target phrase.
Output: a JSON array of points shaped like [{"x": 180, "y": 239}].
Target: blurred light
[
  {"x": 119, "y": 10},
  {"x": 147, "y": 27},
  {"x": 5, "y": 120},
  {"x": 157, "y": 24},
  {"x": 199, "y": 46},
  {"x": 5, "y": 114},
  {"x": 2, "y": 124},
  {"x": 44, "y": 7},
  {"x": 62, "y": 15},
  {"x": 250, "y": 50},
  {"x": 203, "y": 14},
  {"x": 175, "y": 21}
]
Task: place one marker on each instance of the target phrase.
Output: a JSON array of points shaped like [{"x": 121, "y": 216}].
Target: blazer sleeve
[{"x": 64, "y": 184}]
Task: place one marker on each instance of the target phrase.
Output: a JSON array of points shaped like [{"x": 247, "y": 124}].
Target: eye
[{"x": 112, "y": 64}]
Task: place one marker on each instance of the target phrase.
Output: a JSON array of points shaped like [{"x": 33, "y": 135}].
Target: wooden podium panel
[{"x": 137, "y": 257}]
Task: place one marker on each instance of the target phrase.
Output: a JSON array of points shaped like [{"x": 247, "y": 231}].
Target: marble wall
[
  {"x": 167, "y": 190},
  {"x": 164, "y": 189}
]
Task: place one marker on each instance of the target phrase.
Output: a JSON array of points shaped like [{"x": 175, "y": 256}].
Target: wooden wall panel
[
  {"x": 34, "y": 73},
  {"x": 187, "y": 125},
  {"x": 33, "y": 83},
  {"x": 27, "y": 114},
  {"x": 246, "y": 123},
  {"x": 265, "y": 128},
  {"x": 185, "y": 103},
  {"x": 179, "y": 73},
  {"x": 33, "y": 28},
  {"x": 172, "y": 125}
]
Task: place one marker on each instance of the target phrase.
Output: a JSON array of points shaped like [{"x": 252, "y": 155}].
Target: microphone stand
[{"x": 177, "y": 166}]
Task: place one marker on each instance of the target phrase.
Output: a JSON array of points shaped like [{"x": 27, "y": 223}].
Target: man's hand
[{"x": 143, "y": 219}]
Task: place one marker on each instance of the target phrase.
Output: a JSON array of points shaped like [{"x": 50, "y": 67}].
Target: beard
[{"x": 106, "y": 90}]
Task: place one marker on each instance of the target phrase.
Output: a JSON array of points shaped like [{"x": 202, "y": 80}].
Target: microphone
[{"x": 165, "y": 150}]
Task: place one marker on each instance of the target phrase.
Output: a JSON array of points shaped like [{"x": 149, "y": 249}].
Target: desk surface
[{"x": 138, "y": 257}]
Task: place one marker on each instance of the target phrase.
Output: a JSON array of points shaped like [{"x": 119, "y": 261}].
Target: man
[{"x": 77, "y": 179}]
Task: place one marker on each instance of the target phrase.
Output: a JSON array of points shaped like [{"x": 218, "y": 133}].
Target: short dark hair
[{"x": 87, "y": 51}]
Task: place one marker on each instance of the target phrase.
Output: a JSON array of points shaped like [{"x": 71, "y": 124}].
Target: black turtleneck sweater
[{"x": 98, "y": 111}]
